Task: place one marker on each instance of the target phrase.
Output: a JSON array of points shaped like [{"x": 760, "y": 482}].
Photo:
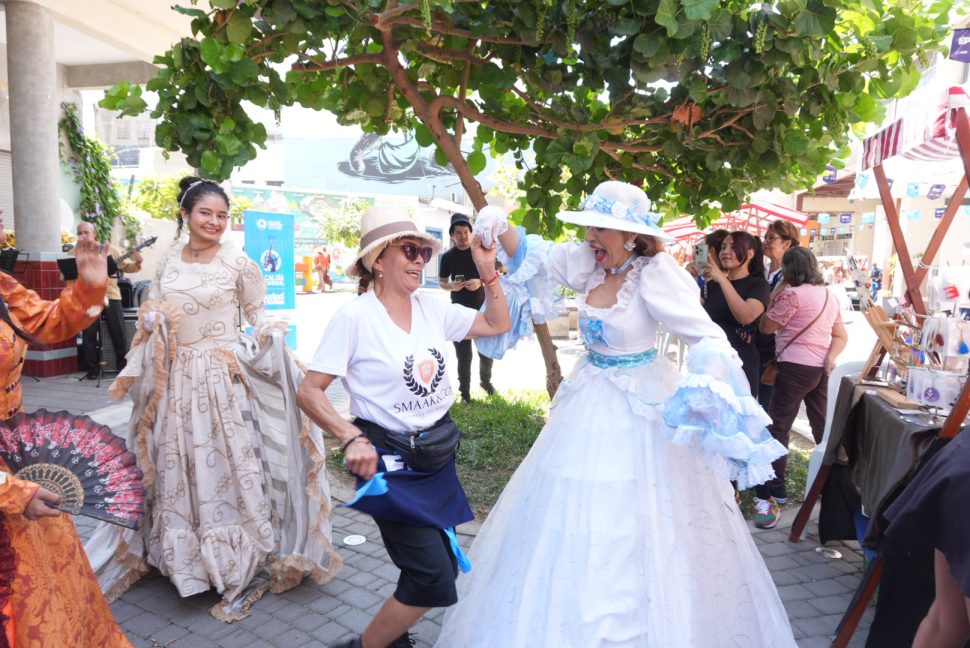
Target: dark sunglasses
[{"x": 412, "y": 251}]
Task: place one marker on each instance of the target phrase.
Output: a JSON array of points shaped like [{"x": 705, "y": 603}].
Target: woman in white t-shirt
[{"x": 388, "y": 348}]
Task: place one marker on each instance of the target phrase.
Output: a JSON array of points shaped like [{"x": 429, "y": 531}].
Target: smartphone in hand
[
  {"x": 700, "y": 257},
  {"x": 458, "y": 278}
]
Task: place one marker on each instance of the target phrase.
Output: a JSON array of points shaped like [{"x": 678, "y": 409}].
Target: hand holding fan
[{"x": 85, "y": 463}]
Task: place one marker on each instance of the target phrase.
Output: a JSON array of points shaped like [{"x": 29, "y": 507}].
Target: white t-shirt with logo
[{"x": 396, "y": 379}]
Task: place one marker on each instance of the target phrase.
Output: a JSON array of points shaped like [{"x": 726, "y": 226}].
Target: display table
[{"x": 882, "y": 445}]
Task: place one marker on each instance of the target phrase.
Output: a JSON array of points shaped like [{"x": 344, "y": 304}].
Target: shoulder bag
[{"x": 770, "y": 371}]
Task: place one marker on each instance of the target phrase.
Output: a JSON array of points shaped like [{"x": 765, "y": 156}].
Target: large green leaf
[
  {"x": 477, "y": 162},
  {"x": 700, "y": 9},
  {"x": 667, "y": 16},
  {"x": 815, "y": 20},
  {"x": 238, "y": 27}
]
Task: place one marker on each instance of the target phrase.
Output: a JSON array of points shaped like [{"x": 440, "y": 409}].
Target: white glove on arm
[
  {"x": 151, "y": 320},
  {"x": 491, "y": 222}
]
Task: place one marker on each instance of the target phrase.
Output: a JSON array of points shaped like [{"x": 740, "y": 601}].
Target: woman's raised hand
[
  {"x": 484, "y": 257},
  {"x": 713, "y": 273},
  {"x": 92, "y": 262}
]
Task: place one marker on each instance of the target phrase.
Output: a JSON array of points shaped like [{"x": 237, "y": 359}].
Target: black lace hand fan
[{"x": 84, "y": 462}]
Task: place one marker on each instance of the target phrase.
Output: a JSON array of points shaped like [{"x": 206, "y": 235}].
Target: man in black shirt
[{"x": 459, "y": 275}]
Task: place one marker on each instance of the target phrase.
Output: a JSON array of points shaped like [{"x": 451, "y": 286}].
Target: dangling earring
[{"x": 629, "y": 245}]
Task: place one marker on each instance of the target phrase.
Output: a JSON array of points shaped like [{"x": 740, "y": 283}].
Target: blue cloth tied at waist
[{"x": 631, "y": 360}]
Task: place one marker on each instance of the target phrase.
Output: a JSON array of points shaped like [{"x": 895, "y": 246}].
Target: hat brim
[
  {"x": 594, "y": 218},
  {"x": 351, "y": 270}
]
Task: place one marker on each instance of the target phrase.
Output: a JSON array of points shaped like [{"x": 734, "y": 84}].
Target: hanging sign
[
  {"x": 824, "y": 218},
  {"x": 269, "y": 242},
  {"x": 960, "y": 47},
  {"x": 935, "y": 191},
  {"x": 912, "y": 190},
  {"x": 939, "y": 211},
  {"x": 831, "y": 175},
  {"x": 845, "y": 217}
]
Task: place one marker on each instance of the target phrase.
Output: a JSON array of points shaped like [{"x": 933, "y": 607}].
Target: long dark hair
[
  {"x": 799, "y": 266},
  {"x": 741, "y": 243},
  {"x": 19, "y": 332},
  {"x": 191, "y": 190}
]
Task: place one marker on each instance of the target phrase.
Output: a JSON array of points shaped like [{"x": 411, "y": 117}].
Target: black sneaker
[
  {"x": 406, "y": 640},
  {"x": 466, "y": 398},
  {"x": 349, "y": 643},
  {"x": 488, "y": 388},
  {"x": 780, "y": 495}
]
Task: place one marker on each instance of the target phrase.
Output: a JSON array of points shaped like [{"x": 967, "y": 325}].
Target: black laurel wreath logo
[{"x": 413, "y": 384}]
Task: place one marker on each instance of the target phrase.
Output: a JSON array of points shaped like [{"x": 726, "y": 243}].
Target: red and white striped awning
[
  {"x": 924, "y": 137},
  {"x": 752, "y": 217},
  {"x": 765, "y": 212}
]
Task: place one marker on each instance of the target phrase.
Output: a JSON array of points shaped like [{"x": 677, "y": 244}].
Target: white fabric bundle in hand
[{"x": 491, "y": 222}]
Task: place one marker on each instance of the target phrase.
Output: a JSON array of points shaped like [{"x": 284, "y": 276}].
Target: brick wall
[{"x": 44, "y": 278}]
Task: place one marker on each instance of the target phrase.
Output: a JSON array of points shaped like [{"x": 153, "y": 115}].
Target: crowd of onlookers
[{"x": 781, "y": 311}]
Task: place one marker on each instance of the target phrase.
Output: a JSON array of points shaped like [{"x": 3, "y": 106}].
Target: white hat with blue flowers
[{"x": 620, "y": 206}]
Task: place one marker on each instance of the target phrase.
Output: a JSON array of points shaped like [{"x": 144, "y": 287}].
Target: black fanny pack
[{"x": 424, "y": 450}]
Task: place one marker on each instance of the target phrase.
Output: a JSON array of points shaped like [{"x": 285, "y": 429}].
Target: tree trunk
[{"x": 452, "y": 151}]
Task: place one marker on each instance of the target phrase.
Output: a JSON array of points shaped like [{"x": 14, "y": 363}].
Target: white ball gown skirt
[{"x": 608, "y": 535}]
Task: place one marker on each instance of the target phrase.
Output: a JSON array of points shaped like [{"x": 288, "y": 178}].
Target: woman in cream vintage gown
[{"x": 239, "y": 498}]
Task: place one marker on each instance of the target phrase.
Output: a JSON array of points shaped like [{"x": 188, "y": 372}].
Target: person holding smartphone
[{"x": 459, "y": 275}]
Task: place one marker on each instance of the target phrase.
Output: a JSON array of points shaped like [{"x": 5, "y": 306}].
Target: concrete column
[{"x": 34, "y": 112}]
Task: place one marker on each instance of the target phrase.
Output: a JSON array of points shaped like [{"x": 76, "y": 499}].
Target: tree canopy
[{"x": 700, "y": 101}]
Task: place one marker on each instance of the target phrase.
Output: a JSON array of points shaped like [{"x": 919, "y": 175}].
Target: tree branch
[
  {"x": 631, "y": 147},
  {"x": 443, "y": 55},
  {"x": 542, "y": 112},
  {"x": 465, "y": 109},
  {"x": 729, "y": 122},
  {"x": 636, "y": 165},
  {"x": 462, "y": 94},
  {"x": 439, "y": 28},
  {"x": 322, "y": 66}
]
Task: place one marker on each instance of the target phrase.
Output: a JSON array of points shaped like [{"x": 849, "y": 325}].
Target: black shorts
[{"x": 428, "y": 567}]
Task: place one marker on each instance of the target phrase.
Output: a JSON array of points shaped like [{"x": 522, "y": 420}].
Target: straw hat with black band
[{"x": 380, "y": 226}]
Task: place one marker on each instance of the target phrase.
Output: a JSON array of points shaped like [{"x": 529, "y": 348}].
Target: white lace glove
[
  {"x": 151, "y": 320},
  {"x": 491, "y": 222}
]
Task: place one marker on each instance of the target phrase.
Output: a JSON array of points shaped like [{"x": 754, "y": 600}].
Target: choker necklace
[
  {"x": 195, "y": 252},
  {"x": 623, "y": 267}
]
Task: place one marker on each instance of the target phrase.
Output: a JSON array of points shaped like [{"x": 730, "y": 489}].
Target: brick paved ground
[{"x": 816, "y": 590}]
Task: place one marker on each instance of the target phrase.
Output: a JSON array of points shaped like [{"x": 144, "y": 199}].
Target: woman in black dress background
[{"x": 737, "y": 296}]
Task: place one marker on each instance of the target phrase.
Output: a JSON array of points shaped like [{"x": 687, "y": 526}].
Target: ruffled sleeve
[
  {"x": 536, "y": 271},
  {"x": 78, "y": 306},
  {"x": 712, "y": 409}
]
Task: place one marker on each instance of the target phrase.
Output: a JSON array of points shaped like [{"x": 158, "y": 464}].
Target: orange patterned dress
[{"x": 49, "y": 596}]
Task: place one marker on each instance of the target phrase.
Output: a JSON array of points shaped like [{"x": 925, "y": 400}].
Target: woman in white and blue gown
[{"x": 620, "y": 527}]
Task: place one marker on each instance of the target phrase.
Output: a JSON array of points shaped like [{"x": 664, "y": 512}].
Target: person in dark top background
[
  {"x": 737, "y": 296},
  {"x": 459, "y": 275}
]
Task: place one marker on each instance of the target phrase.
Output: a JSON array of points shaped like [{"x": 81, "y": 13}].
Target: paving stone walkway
[{"x": 815, "y": 589}]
